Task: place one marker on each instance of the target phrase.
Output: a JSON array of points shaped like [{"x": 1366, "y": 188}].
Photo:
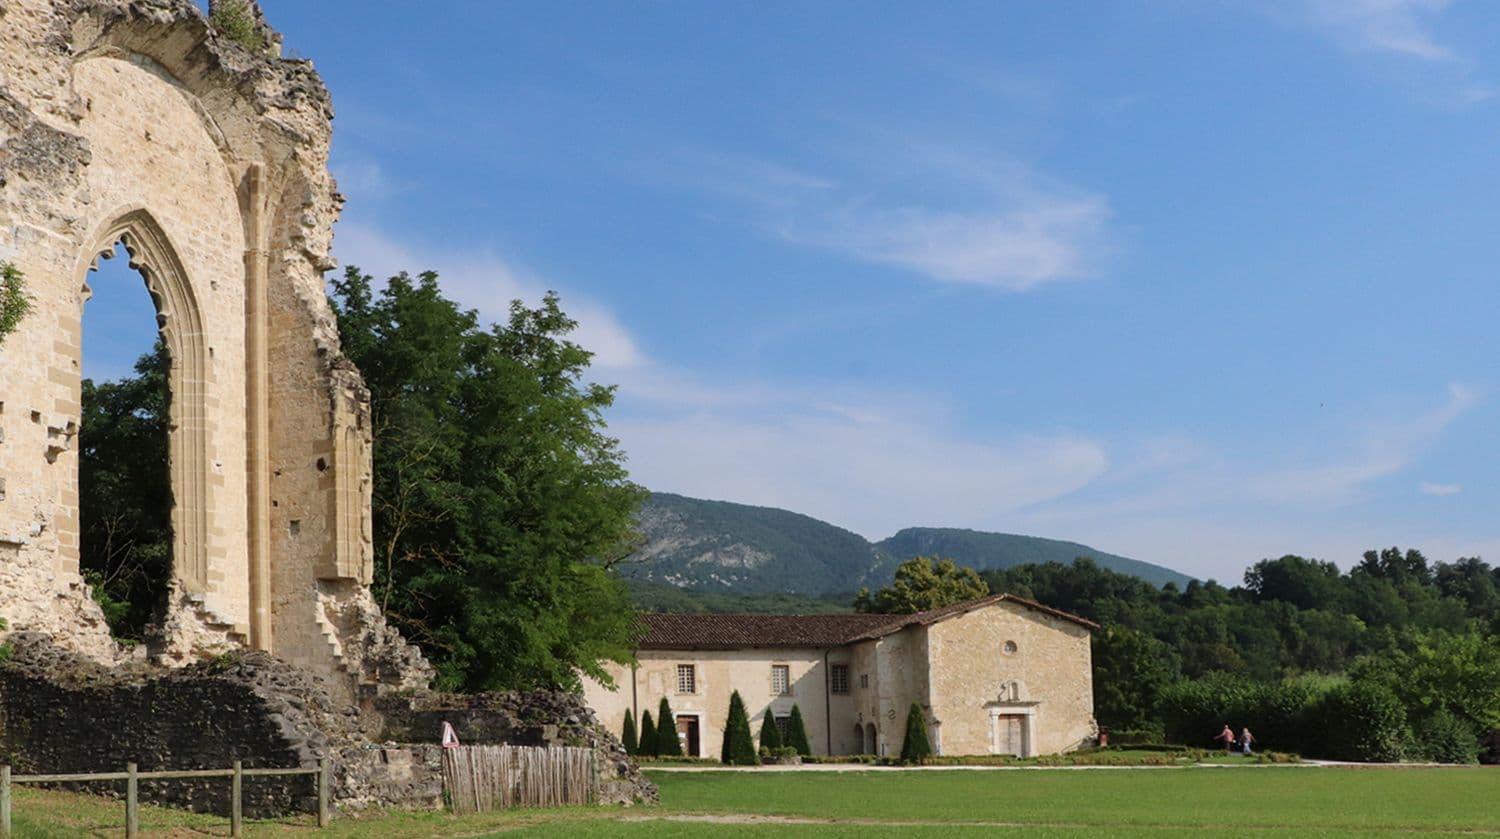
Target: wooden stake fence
[
  {"x": 477, "y": 779},
  {"x": 132, "y": 779}
]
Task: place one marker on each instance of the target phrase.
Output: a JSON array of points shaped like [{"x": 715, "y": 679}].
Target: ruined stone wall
[
  {"x": 60, "y": 712},
  {"x": 133, "y": 121}
]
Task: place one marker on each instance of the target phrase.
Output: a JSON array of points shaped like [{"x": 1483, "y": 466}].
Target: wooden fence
[
  {"x": 481, "y": 778},
  {"x": 132, "y": 779}
]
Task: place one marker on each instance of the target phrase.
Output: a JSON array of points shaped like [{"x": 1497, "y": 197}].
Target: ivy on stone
[{"x": 14, "y": 302}]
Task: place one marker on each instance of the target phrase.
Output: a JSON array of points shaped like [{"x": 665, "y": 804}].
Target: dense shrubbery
[
  {"x": 1276, "y": 713},
  {"x": 647, "y": 746},
  {"x": 1444, "y": 738},
  {"x": 1358, "y": 721},
  {"x": 796, "y": 733}
]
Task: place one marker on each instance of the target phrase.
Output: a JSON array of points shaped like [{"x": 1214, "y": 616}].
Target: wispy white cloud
[
  {"x": 953, "y": 217},
  {"x": 1399, "y": 27},
  {"x": 1384, "y": 449},
  {"x": 1429, "y": 488},
  {"x": 487, "y": 282},
  {"x": 850, "y": 461}
]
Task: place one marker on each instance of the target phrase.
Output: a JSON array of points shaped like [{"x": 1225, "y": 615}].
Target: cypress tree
[
  {"x": 738, "y": 748},
  {"x": 770, "y": 735},
  {"x": 647, "y": 746},
  {"x": 796, "y": 733},
  {"x": 915, "y": 748},
  {"x": 628, "y": 737},
  {"x": 667, "y": 743}
]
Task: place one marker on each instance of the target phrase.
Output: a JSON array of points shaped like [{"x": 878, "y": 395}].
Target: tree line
[{"x": 1400, "y": 650}]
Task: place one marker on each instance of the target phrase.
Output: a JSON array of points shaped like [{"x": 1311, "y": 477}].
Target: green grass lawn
[{"x": 1292, "y": 801}]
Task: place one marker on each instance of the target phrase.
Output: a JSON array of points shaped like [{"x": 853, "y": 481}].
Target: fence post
[
  {"x": 5, "y": 801},
  {"x": 323, "y": 788},
  {"x": 237, "y": 801},
  {"x": 132, "y": 805}
]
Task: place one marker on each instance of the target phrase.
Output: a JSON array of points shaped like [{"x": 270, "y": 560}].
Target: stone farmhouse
[{"x": 997, "y": 675}]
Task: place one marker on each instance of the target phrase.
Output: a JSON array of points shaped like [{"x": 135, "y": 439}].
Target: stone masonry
[{"x": 134, "y": 122}]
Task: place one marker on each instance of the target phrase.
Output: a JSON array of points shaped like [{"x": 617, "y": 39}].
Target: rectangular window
[
  {"x": 838, "y": 678},
  {"x": 687, "y": 679},
  {"x": 864, "y": 680},
  {"x": 781, "y": 726},
  {"x": 781, "y": 679}
]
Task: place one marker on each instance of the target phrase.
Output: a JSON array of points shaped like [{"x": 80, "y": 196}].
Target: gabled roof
[{"x": 733, "y": 632}]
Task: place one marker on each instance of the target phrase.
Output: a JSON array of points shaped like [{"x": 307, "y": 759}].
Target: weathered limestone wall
[
  {"x": 718, "y": 674},
  {"x": 131, "y": 120},
  {"x": 1049, "y": 677}
]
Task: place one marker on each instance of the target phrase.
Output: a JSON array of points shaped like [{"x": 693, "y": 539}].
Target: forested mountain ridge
[
  {"x": 694, "y": 543},
  {"x": 984, "y": 551}
]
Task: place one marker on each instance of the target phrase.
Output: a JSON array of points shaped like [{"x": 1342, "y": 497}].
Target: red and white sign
[{"x": 450, "y": 737}]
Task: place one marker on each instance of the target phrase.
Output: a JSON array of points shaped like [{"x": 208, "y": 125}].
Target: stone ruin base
[{"x": 62, "y": 713}]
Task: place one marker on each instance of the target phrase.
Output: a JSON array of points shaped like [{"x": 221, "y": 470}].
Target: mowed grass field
[{"x": 1264, "y": 801}]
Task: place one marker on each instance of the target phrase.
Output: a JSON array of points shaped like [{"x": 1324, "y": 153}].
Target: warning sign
[{"x": 450, "y": 737}]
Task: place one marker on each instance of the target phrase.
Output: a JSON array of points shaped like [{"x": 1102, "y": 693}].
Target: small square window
[
  {"x": 781, "y": 679},
  {"x": 687, "y": 679},
  {"x": 838, "y": 678}
]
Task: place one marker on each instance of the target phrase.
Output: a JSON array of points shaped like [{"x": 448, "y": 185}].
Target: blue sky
[{"x": 1195, "y": 282}]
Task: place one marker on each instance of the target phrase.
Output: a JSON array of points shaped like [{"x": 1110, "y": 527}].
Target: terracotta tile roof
[
  {"x": 733, "y": 632},
  {"x": 932, "y": 616}
]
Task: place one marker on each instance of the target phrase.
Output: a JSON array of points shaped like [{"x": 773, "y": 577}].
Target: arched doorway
[
  {"x": 872, "y": 743},
  {"x": 124, "y": 478}
]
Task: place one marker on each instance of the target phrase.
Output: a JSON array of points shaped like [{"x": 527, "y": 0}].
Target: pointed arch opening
[{"x": 187, "y": 370}]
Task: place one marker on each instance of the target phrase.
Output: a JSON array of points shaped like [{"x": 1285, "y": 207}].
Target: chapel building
[{"x": 996, "y": 675}]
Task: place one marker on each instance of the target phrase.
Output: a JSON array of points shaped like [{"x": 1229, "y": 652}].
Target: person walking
[
  {"x": 1245, "y": 740},
  {"x": 1227, "y": 735}
]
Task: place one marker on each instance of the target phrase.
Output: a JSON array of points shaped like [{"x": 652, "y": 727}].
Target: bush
[
  {"x": 627, "y": 737},
  {"x": 738, "y": 749},
  {"x": 1154, "y": 735},
  {"x": 915, "y": 747},
  {"x": 1276, "y": 713},
  {"x": 1444, "y": 738},
  {"x": 1359, "y": 721},
  {"x": 770, "y": 734},
  {"x": 647, "y": 746},
  {"x": 796, "y": 733},
  {"x": 14, "y": 302},
  {"x": 667, "y": 742},
  {"x": 234, "y": 20}
]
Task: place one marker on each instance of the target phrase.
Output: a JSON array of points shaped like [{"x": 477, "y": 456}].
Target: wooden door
[
  {"x": 687, "y": 732},
  {"x": 1010, "y": 734}
]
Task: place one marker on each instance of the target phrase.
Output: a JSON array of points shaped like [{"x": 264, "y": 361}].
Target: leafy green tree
[
  {"x": 770, "y": 734},
  {"x": 1131, "y": 669},
  {"x": 738, "y": 749},
  {"x": 796, "y": 733},
  {"x": 500, "y": 504},
  {"x": 922, "y": 583},
  {"x": 915, "y": 746},
  {"x": 125, "y": 494},
  {"x": 14, "y": 303},
  {"x": 668, "y": 744},
  {"x": 1442, "y": 672},
  {"x": 1304, "y": 583},
  {"x": 647, "y": 746},
  {"x": 628, "y": 736}
]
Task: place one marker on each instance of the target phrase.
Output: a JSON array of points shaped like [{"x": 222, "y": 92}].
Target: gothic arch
[{"x": 180, "y": 319}]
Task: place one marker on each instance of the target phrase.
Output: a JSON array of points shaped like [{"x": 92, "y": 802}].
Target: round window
[{"x": 1010, "y": 647}]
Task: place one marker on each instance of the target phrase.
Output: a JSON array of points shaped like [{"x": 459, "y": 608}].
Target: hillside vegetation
[{"x": 719, "y": 546}]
